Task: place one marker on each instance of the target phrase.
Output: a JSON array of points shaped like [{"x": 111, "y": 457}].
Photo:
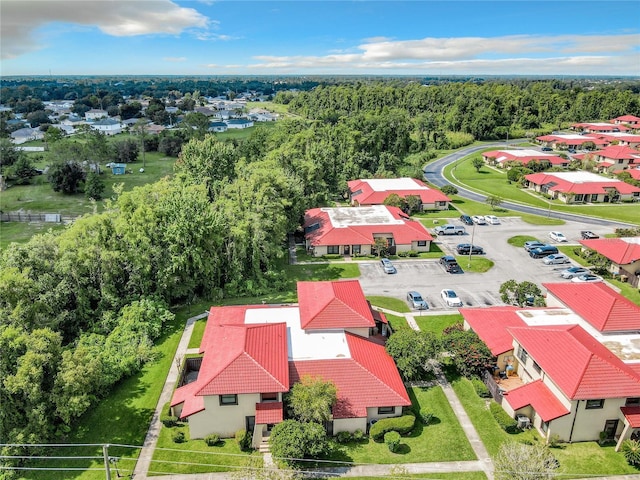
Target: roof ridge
[
  {"x": 264, "y": 369},
  {"x": 376, "y": 378}
]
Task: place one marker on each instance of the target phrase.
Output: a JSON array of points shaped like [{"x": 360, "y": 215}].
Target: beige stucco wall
[
  {"x": 589, "y": 423},
  {"x": 414, "y": 246},
  {"x": 372, "y": 412},
  {"x": 362, "y": 332},
  {"x": 349, "y": 425},
  {"x": 224, "y": 420},
  {"x": 320, "y": 250}
]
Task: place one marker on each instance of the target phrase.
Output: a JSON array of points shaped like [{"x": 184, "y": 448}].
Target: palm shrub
[
  {"x": 178, "y": 436},
  {"x": 212, "y": 439},
  {"x": 392, "y": 440},
  {"x": 631, "y": 451}
]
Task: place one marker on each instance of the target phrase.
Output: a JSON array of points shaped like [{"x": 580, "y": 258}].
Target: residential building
[
  {"x": 26, "y": 134},
  {"x": 217, "y": 127},
  {"x": 573, "y": 141},
  {"x": 374, "y": 191},
  {"x": 506, "y": 158},
  {"x": 573, "y": 368},
  {"x": 615, "y": 157},
  {"x": 107, "y": 126},
  {"x": 615, "y": 138},
  {"x": 253, "y": 354},
  {"x": 95, "y": 114},
  {"x": 624, "y": 254},
  {"x": 629, "y": 120},
  {"x": 580, "y": 187},
  {"x": 354, "y": 230},
  {"x": 599, "y": 127},
  {"x": 239, "y": 123}
]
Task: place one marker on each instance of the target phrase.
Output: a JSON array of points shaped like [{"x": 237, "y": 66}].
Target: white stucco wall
[
  {"x": 349, "y": 425},
  {"x": 225, "y": 420}
]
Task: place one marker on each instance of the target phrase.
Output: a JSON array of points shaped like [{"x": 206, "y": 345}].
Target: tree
[
  {"x": 9, "y": 153},
  {"x": 94, "y": 186},
  {"x": 22, "y": 171},
  {"x": 196, "y": 124},
  {"x": 38, "y": 118},
  {"x": 170, "y": 145},
  {"x": 470, "y": 355},
  {"x": 414, "y": 203},
  {"x": 394, "y": 200},
  {"x": 53, "y": 134},
  {"x": 381, "y": 246},
  {"x": 521, "y": 294},
  {"x": 291, "y": 440},
  {"x": 477, "y": 163},
  {"x": 66, "y": 177},
  {"x": 412, "y": 351},
  {"x": 494, "y": 201},
  {"x": 518, "y": 461},
  {"x": 312, "y": 399},
  {"x": 126, "y": 151},
  {"x": 449, "y": 190}
]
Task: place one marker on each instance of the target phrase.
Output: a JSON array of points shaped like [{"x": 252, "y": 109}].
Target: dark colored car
[
  {"x": 450, "y": 264},
  {"x": 588, "y": 235},
  {"x": 530, "y": 245},
  {"x": 544, "y": 251},
  {"x": 466, "y": 219},
  {"x": 546, "y": 149},
  {"x": 466, "y": 248}
]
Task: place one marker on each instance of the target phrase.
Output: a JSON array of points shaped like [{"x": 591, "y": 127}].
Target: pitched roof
[
  {"x": 368, "y": 379},
  {"x": 598, "y": 304},
  {"x": 491, "y": 326},
  {"x": 617, "y": 152},
  {"x": 577, "y": 363},
  {"x": 580, "y": 183},
  {"x": 375, "y": 191},
  {"x": 524, "y": 156},
  {"x": 634, "y": 172},
  {"x": 358, "y": 225},
  {"x": 326, "y": 305},
  {"x": 268, "y": 413},
  {"x": 601, "y": 126},
  {"x": 538, "y": 395},
  {"x": 621, "y": 251},
  {"x": 628, "y": 118}
]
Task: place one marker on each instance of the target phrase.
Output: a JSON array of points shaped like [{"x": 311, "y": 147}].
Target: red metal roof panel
[
  {"x": 491, "y": 326},
  {"x": 618, "y": 250},
  {"x": 538, "y": 395},
  {"x": 269, "y": 413}
]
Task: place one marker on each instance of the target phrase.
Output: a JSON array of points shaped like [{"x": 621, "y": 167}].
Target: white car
[
  {"x": 586, "y": 278},
  {"x": 556, "y": 259},
  {"x": 450, "y": 298},
  {"x": 492, "y": 219},
  {"x": 557, "y": 236},
  {"x": 479, "y": 220}
]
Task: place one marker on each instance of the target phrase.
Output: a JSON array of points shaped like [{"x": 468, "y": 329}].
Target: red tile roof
[
  {"x": 566, "y": 186},
  {"x": 506, "y": 156},
  {"x": 627, "y": 118},
  {"x": 268, "y": 413},
  {"x": 538, "y": 395},
  {"x": 491, "y": 326},
  {"x": 333, "y": 305},
  {"x": 632, "y": 414},
  {"x": 596, "y": 139},
  {"x": 598, "y": 304},
  {"x": 618, "y": 250},
  {"x": 601, "y": 127},
  {"x": 369, "y": 196},
  {"x": 577, "y": 363},
  {"x": 368, "y": 379},
  {"x": 326, "y": 234},
  {"x": 634, "y": 172},
  {"x": 619, "y": 152}
]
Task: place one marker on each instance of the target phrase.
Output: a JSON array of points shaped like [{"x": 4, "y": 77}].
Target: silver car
[
  {"x": 387, "y": 266},
  {"x": 416, "y": 301},
  {"x": 574, "y": 272}
]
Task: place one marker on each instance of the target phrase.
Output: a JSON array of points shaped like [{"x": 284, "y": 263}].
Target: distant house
[
  {"x": 630, "y": 120},
  {"x": 260, "y": 115},
  {"x": 218, "y": 127},
  {"x": 574, "y": 187},
  {"x": 574, "y": 141},
  {"x": 223, "y": 114},
  {"x": 504, "y": 158},
  {"x": 95, "y": 114},
  {"x": 26, "y": 134},
  {"x": 73, "y": 120},
  {"x": 628, "y": 139},
  {"x": 205, "y": 111},
  {"x": 624, "y": 254},
  {"x": 374, "y": 191},
  {"x": 153, "y": 129},
  {"x": 107, "y": 126},
  {"x": 354, "y": 230},
  {"x": 616, "y": 157},
  {"x": 599, "y": 127},
  {"x": 118, "y": 168},
  {"x": 239, "y": 123}
]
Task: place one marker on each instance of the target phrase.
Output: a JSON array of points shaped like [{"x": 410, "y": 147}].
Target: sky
[{"x": 300, "y": 37}]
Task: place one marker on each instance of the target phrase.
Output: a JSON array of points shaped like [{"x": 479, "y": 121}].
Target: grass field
[
  {"x": 471, "y": 207},
  {"x": 389, "y": 303},
  {"x": 21, "y": 232},
  {"x": 437, "y": 323}
]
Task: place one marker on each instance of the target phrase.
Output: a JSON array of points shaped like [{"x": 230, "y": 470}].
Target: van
[{"x": 543, "y": 251}]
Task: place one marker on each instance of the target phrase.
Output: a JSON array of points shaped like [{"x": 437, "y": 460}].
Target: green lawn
[
  {"x": 471, "y": 207},
  {"x": 437, "y": 323},
  {"x": 399, "y": 473},
  {"x": 397, "y": 323},
  {"x": 478, "y": 263},
  {"x": 389, "y": 303},
  {"x": 442, "y": 440},
  {"x": 21, "y": 232},
  {"x": 519, "y": 240},
  {"x": 243, "y": 133}
]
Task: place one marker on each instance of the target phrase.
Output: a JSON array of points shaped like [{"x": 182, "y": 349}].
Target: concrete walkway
[{"x": 151, "y": 439}]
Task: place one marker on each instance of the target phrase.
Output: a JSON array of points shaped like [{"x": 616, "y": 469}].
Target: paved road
[{"x": 433, "y": 174}]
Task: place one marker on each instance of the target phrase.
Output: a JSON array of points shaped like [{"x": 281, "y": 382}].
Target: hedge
[
  {"x": 480, "y": 388},
  {"x": 392, "y": 439},
  {"x": 402, "y": 425},
  {"x": 507, "y": 423}
]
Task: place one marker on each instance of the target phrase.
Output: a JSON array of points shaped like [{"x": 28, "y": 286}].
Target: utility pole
[
  {"x": 473, "y": 231},
  {"x": 105, "y": 454}
]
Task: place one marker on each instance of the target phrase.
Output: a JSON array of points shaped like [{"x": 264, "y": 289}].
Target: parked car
[
  {"x": 546, "y": 149},
  {"x": 465, "y": 248},
  {"x": 557, "y": 236},
  {"x": 571, "y": 150},
  {"x": 543, "y": 251},
  {"x": 416, "y": 301},
  {"x": 450, "y": 264},
  {"x": 466, "y": 219},
  {"x": 387, "y": 266},
  {"x": 574, "y": 272},
  {"x": 492, "y": 219},
  {"x": 531, "y": 244},
  {"x": 586, "y": 278},
  {"x": 556, "y": 259},
  {"x": 450, "y": 298},
  {"x": 588, "y": 235},
  {"x": 478, "y": 220},
  {"x": 449, "y": 229}
]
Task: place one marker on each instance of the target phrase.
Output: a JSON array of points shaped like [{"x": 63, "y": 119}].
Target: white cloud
[
  {"x": 175, "y": 59},
  {"x": 119, "y": 18}
]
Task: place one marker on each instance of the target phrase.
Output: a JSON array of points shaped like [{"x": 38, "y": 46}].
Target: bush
[
  {"x": 358, "y": 435},
  {"x": 343, "y": 437},
  {"x": 212, "y": 439},
  {"x": 169, "y": 420},
  {"x": 426, "y": 418},
  {"x": 480, "y": 388},
  {"x": 244, "y": 440},
  {"x": 507, "y": 423},
  {"x": 631, "y": 451},
  {"x": 402, "y": 425},
  {"x": 178, "y": 436},
  {"x": 332, "y": 256},
  {"x": 392, "y": 440}
]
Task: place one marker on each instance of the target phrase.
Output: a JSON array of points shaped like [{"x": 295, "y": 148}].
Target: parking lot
[{"x": 474, "y": 289}]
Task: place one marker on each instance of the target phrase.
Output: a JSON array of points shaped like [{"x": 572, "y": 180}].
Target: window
[
  {"x": 386, "y": 410},
  {"x": 422, "y": 243},
  {"x": 544, "y": 426},
  {"x": 594, "y": 197},
  {"x": 594, "y": 404},
  {"x": 331, "y": 249},
  {"x": 269, "y": 397},
  {"x": 632, "y": 402},
  {"x": 522, "y": 355},
  {"x": 579, "y": 197},
  {"x": 229, "y": 399},
  {"x": 536, "y": 367},
  {"x": 356, "y": 249}
]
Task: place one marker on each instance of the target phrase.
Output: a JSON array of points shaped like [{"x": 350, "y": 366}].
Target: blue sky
[{"x": 206, "y": 37}]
